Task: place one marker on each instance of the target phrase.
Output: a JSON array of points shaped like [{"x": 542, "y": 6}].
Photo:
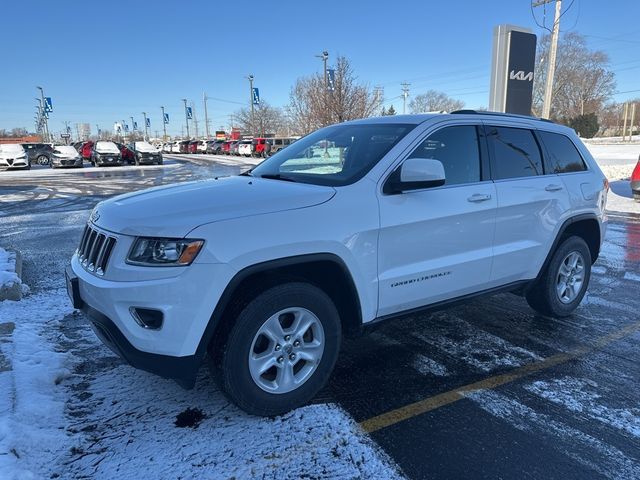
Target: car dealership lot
[{"x": 484, "y": 390}]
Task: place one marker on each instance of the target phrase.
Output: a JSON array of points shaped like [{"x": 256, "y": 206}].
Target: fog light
[{"x": 147, "y": 317}]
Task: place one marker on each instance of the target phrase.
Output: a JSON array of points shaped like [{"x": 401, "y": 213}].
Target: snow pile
[
  {"x": 8, "y": 275},
  {"x": 32, "y": 421}
]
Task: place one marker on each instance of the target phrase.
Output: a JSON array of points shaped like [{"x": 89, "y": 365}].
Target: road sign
[
  {"x": 48, "y": 104},
  {"x": 331, "y": 79},
  {"x": 148, "y": 123},
  {"x": 65, "y": 135},
  {"x": 166, "y": 119},
  {"x": 256, "y": 96},
  {"x": 189, "y": 113}
]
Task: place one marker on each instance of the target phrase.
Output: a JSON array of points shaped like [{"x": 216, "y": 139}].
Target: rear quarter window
[{"x": 562, "y": 156}]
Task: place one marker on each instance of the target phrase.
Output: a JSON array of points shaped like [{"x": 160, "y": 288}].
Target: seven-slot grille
[{"x": 95, "y": 249}]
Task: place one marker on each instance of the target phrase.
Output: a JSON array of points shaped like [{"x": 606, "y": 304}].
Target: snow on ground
[
  {"x": 70, "y": 409},
  {"x": 8, "y": 275}
]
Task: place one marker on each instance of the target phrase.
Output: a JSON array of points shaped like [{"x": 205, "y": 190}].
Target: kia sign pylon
[{"x": 512, "y": 70}]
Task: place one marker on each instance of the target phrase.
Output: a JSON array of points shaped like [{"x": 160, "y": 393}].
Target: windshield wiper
[{"x": 277, "y": 176}]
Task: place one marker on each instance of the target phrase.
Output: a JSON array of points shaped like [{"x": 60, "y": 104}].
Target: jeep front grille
[{"x": 95, "y": 249}]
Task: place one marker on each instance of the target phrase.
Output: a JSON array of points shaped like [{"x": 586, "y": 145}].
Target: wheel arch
[{"x": 324, "y": 270}]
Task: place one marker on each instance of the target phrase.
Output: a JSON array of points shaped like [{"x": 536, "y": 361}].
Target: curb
[{"x": 13, "y": 291}]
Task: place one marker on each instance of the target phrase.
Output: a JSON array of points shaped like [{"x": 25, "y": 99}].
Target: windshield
[
  {"x": 11, "y": 147},
  {"x": 336, "y": 155},
  {"x": 66, "y": 150}
]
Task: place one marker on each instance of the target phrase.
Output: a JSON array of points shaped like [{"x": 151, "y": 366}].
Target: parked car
[
  {"x": 215, "y": 147},
  {"x": 278, "y": 144},
  {"x": 635, "y": 182},
  {"x": 202, "y": 146},
  {"x": 85, "y": 150},
  {"x": 192, "y": 146},
  {"x": 13, "y": 155},
  {"x": 65, "y": 156},
  {"x": 503, "y": 203},
  {"x": 127, "y": 153},
  {"x": 245, "y": 147},
  {"x": 233, "y": 148},
  {"x": 166, "y": 148},
  {"x": 184, "y": 146},
  {"x": 144, "y": 152},
  {"x": 259, "y": 145},
  {"x": 226, "y": 147},
  {"x": 106, "y": 153},
  {"x": 38, "y": 153}
]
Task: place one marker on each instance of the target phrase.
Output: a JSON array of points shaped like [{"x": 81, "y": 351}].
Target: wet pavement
[{"x": 484, "y": 390}]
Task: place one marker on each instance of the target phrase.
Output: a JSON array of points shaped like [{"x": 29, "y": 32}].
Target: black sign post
[{"x": 514, "y": 59}]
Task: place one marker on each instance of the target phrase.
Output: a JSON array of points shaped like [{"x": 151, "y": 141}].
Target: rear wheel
[
  {"x": 281, "y": 349},
  {"x": 42, "y": 159},
  {"x": 563, "y": 283}
]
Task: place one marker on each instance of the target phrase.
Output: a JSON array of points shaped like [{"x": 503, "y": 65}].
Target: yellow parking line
[{"x": 422, "y": 406}]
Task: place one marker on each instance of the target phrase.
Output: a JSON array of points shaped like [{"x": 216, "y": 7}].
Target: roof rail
[{"x": 501, "y": 114}]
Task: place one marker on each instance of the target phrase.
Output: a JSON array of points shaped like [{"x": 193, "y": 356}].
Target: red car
[
  {"x": 193, "y": 146},
  {"x": 127, "y": 154},
  {"x": 226, "y": 147},
  {"x": 85, "y": 150},
  {"x": 259, "y": 146},
  {"x": 635, "y": 182}
]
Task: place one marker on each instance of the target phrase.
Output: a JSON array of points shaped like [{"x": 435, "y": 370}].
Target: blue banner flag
[
  {"x": 166, "y": 119},
  {"x": 256, "y": 96},
  {"x": 189, "y": 113},
  {"x": 148, "y": 123},
  {"x": 331, "y": 79}
]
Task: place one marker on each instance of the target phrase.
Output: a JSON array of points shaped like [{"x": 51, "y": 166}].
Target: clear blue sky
[{"x": 104, "y": 61}]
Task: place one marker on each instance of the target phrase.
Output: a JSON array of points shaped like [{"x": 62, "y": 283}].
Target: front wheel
[
  {"x": 562, "y": 285},
  {"x": 42, "y": 160},
  {"x": 281, "y": 349}
]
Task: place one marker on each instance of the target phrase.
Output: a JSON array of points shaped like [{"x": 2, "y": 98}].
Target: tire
[
  {"x": 292, "y": 302},
  {"x": 545, "y": 297},
  {"x": 42, "y": 160}
]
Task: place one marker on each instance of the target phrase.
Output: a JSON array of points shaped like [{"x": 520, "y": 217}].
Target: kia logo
[{"x": 520, "y": 75}]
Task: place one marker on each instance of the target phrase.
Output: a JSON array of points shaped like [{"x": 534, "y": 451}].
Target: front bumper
[
  {"x": 14, "y": 162},
  {"x": 109, "y": 160},
  {"x": 149, "y": 158},
  {"x": 635, "y": 188},
  {"x": 66, "y": 162},
  {"x": 187, "y": 301}
]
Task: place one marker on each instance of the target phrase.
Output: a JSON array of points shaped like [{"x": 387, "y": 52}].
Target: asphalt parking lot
[{"x": 485, "y": 390}]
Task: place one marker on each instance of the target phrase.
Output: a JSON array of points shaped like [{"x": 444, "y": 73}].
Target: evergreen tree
[{"x": 391, "y": 111}]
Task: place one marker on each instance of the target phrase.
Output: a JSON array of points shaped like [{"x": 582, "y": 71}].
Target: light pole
[
  {"x": 250, "y": 78},
  {"x": 146, "y": 132},
  {"x": 186, "y": 116},
  {"x": 206, "y": 115},
  {"x": 43, "y": 113},
  {"x": 324, "y": 56},
  {"x": 124, "y": 131},
  {"x": 164, "y": 126}
]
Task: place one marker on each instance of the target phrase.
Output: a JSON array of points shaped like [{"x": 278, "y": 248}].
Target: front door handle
[
  {"x": 479, "y": 197},
  {"x": 553, "y": 187}
]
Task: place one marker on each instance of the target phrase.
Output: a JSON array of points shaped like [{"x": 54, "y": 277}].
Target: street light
[
  {"x": 324, "y": 56},
  {"x": 186, "y": 116},
  {"x": 250, "y": 78}
]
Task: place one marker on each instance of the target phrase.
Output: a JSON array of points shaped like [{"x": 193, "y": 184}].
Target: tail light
[{"x": 635, "y": 176}]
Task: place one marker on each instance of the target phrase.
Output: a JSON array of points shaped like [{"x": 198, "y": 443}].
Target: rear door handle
[
  {"x": 553, "y": 187},
  {"x": 479, "y": 197}
]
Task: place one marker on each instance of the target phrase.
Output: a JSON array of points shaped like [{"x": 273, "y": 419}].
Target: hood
[
  {"x": 67, "y": 152},
  {"x": 175, "y": 210},
  {"x": 11, "y": 150},
  {"x": 145, "y": 147},
  {"x": 107, "y": 147}
]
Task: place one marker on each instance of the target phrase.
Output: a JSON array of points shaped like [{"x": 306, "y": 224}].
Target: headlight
[{"x": 164, "y": 251}]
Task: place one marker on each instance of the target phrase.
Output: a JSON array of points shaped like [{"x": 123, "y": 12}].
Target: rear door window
[
  {"x": 562, "y": 154},
  {"x": 515, "y": 152}
]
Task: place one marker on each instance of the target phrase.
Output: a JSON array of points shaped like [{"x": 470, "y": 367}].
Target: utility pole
[
  {"x": 206, "y": 114},
  {"x": 405, "y": 94},
  {"x": 186, "y": 116},
  {"x": 633, "y": 114},
  {"x": 97, "y": 131},
  {"x": 195, "y": 119},
  {"x": 324, "y": 56},
  {"x": 164, "y": 126},
  {"x": 624, "y": 125},
  {"x": 146, "y": 132},
  {"x": 44, "y": 115},
  {"x": 250, "y": 78},
  {"x": 553, "y": 49},
  {"x": 124, "y": 131}
]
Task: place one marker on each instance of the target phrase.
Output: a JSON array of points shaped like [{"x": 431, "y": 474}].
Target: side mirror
[{"x": 416, "y": 174}]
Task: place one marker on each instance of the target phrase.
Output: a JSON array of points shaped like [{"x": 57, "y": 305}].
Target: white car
[
  {"x": 202, "y": 146},
  {"x": 352, "y": 225},
  {"x": 13, "y": 155},
  {"x": 245, "y": 147},
  {"x": 65, "y": 156},
  {"x": 175, "y": 148},
  {"x": 166, "y": 148}
]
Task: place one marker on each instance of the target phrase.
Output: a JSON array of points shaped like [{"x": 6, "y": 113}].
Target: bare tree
[
  {"x": 582, "y": 81},
  {"x": 433, "y": 101},
  {"x": 266, "y": 119},
  {"x": 312, "y": 105}
]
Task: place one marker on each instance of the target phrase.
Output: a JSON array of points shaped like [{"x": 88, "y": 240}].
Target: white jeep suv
[{"x": 352, "y": 225}]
